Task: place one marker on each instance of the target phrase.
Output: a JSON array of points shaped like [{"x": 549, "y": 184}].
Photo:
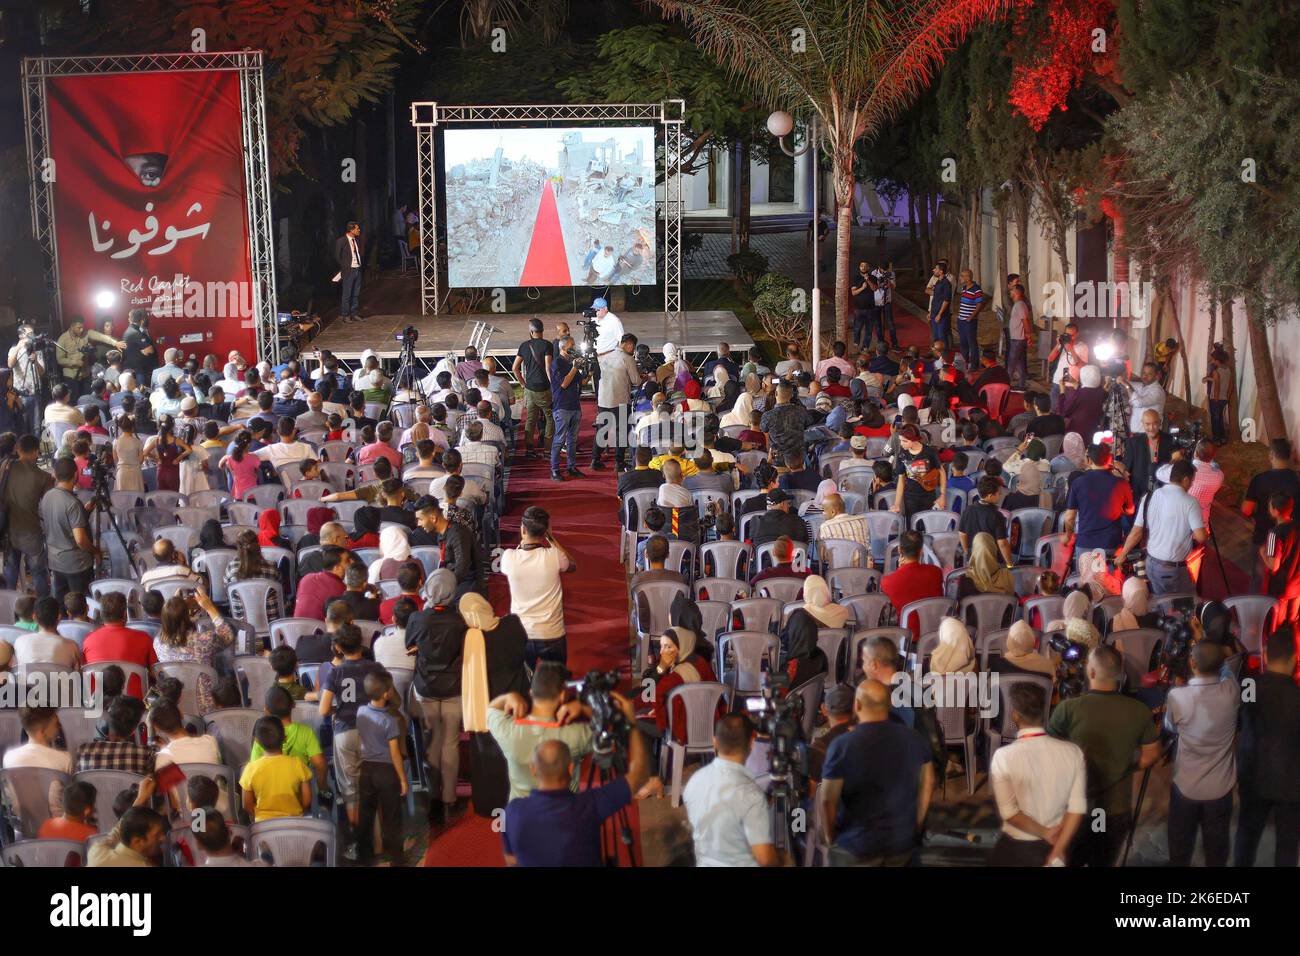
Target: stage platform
[{"x": 698, "y": 333}]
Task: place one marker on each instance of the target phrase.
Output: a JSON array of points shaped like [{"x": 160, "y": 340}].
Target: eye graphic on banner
[{"x": 150, "y": 203}]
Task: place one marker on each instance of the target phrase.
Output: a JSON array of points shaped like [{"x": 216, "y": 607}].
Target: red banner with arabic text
[{"x": 149, "y": 203}]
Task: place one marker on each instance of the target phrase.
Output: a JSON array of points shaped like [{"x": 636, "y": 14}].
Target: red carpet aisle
[
  {"x": 547, "y": 263},
  {"x": 583, "y": 519}
]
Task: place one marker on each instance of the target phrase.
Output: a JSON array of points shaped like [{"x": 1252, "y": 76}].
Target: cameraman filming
[
  {"x": 1176, "y": 527},
  {"x": 519, "y": 726},
  {"x": 76, "y": 351},
  {"x": 28, "y": 363},
  {"x": 1070, "y": 355},
  {"x": 553, "y": 826},
  {"x": 566, "y": 408}
]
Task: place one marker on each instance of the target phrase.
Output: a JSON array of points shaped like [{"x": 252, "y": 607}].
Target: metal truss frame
[
  {"x": 427, "y": 116},
  {"x": 257, "y": 178}
]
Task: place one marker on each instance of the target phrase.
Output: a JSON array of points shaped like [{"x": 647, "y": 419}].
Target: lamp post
[{"x": 780, "y": 124}]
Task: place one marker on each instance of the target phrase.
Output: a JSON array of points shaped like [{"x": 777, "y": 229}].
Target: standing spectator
[
  {"x": 1039, "y": 784},
  {"x": 876, "y": 786},
  {"x": 1203, "y": 716},
  {"x": 619, "y": 378},
  {"x": 1268, "y": 757},
  {"x": 437, "y": 633},
  {"x": 729, "y": 818},
  {"x": 1281, "y": 556},
  {"x": 536, "y": 595},
  {"x": 566, "y": 385},
  {"x": 784, "y": 424},
  {"x": 533, "y": 367},
  {"x": 69, "y": 549},
  {"x": 863, "y": 291},
  {"x": 1069, "y": 355},
  {"x": 922, "y": 482},
  {"x": 1146, "y": 395},
  {"x": 1174, "y": 520},
  {"x": 1020, "y": 327},
  {"x": 939, "y": 289},
  {"x": 25, "y": 485},
  {"x": 343, "y": 691},
  {"x": 983, "y": 516},
  {"x": 1082, "y": 405},
  {"x": 1097, "y": 500},
  {"x": 1218, "y": 387},
  {"x": 1280, "y": 477},
  {"x": 973, "y": 301},
  {"x": 383, "y": 777},
  {"x": 1146, "y": 450},
  {"x": 1109, "y": 727},
  {"x": 518, "y": 726}
]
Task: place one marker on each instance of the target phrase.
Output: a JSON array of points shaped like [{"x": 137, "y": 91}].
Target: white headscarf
[
  {"x": 740, "y": 412},
  {"x": 955, "y": 653},
  {"x": 1135, "y": 605},
  {"x": 479, "y": 618},
  {"x": 1090, "y": 376},
  {"x": 817, "y": 602},
  {"x": 905, "y": 400},
  {"x": 393, "y": 546}
]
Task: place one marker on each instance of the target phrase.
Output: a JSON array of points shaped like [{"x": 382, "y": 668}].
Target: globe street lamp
[{"x": 781, "y": 124}]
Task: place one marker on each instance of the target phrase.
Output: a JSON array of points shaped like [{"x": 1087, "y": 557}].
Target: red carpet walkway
[
  {"x": 584, "y": 521},
  {"x": 547, "y": 263}
]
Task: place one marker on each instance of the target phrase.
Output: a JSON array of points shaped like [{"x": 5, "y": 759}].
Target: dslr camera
[{"x": 1186, "y": 439}]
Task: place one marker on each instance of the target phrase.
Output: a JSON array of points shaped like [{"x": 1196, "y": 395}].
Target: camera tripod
[
  {"x": 604, "y": 768},
  {"x": 102, "y": 504},
  {"x": 406, "y": 369}
]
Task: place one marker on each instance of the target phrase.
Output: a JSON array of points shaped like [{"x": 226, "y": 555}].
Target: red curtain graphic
[{"x": 149, "y": 204}]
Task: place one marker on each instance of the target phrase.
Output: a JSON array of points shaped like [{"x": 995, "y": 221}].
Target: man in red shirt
[
  {"x": 913, "y": 580},
  {"x": 78, "y": 810},
  {"x": 784, "y": 567},
  {"x": 410, "y": 579},
  {"x": 117, "y": 642},
  {"x": 316, "y": 590}
]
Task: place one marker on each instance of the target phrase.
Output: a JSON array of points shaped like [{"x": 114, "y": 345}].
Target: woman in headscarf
[
  {"x": 1082, "y": 407},
  {"x": 438, "y": 635},
  {"x": 873, "y": 424},
  {"x": 818, "y": 504},
  {"x": 1029, "y": 491},
  {"x": 1134, "y": 614},
  {"x": 955, "y": 653},
  {"x": 686, "y": 613},
  {"x": 694, "y": 403},
  {"x": 492, "y": 665},
  {"x": 724, "y": 390},
  {"x": 985, "y": 571},
  {"x": 1076, "y": 607},
  {"x": 1094, "y": 578},
  {"x": 740, "y": 412},
  {"x": 804, "y": 660},
  {"x": 365, "y": 524},
  {"x": 268, "y": 529},
  {"x": 211, "y": 536},
  {"x": 394, "y": 551},
  {"x": 818, "y": 603},
  {"x": 1020, "y": 657},
  {"x": 677, "y": 664},
  {"x": 1072, "y": 456}
]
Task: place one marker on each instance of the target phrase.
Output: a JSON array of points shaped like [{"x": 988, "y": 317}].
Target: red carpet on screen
[
  {"x": 547, "y": 262},
  {"x": 584, "y": 521}
]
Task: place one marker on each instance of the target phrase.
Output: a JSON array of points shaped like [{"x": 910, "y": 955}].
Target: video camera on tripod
[
  {"x": 610, "y": 728},
  {"x": 778, "y": 716},
  {"x": 1186, "y": 439},
  {"x": 1072, "y": 671},
  {"x": 585, "y": 359}
]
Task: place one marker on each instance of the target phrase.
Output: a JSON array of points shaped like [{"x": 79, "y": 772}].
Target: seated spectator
[
  {"x": 677, "y": 664},
  {"x": 641, "y": 475},
  {"x": 913, "y": 581},
  {"x": 172, "y": 566},
  {"x": 1021, "y": 656},
  {"x": 300, "y": 740},
  {"x": 137, "y": 840},
  {"x": 182, "y": 636},
  {"x": 284, "y": 661},
  {"x": 1029, "y": 491},
  {"x": 783, "y": 553},
  {"x": 389, "y": 647},
  {"x": 394, "y": 551},
  {"x": 114, "y": 641},
  {"x": 410, "y": 577},
  {"x": 41, "y": 725},
  {"x": 249, "y": 565},
  {"x": 1135, "y": 612},
  {"x": 779, "y": 521},
  {"x": 275, "y": 785},
  {"x": 46, "y": 645},
  {"x": 76, "y": 822},
  {"x": 120, "y": 751},
  {"x": 361, "y": 598},
  {"x": 214, "y": 838},
  {"x": 315, "y": 589},
  {"x": 803, "y": 659},
  {"x": 955, "y": 653},
  {"x": 985, "y": 573},
  {"x": 837, "y": 525}
]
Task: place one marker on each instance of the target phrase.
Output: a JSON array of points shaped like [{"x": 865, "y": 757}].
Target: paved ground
[{"x": 790, "y": 254}]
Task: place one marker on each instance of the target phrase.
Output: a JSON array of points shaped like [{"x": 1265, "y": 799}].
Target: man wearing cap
[
  {"x": 779, "y": 520},
  {"x": 837, "y": 708},
  {"x": 609, "y": 333},
  {"x": 285, "y": 404},
  {"x": 1176, "y": 525}
]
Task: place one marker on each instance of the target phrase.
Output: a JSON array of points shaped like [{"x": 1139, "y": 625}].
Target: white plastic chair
[{"x": 701, "y": 702}]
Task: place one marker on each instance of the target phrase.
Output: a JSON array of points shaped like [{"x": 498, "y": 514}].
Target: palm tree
[{"x": 854, "y": 63}]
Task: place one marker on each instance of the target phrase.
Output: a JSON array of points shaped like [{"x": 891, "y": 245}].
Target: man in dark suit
[
  {"x": 347, "y": 253},
  {"x": 1145, "y": 453}
]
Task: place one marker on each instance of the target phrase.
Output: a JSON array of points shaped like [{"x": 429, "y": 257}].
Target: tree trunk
[
  {"x": 1021, "y": 197},
  {"x": 1004, "y": 266},
  {"x": 843, "y": 237},
  {"x": 1261, "y": 359},
  {"x": 1214, "y": 324},
  {"x": 1230, "y": 344},
  {"x": 927, "y": 239},
  {"x": 743, "y": 205},
  {"x": 914, "y": 246}
]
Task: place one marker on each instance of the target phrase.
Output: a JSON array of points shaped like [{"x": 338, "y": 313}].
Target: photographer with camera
[
  {"x": 27, "y": 360},
  {"x": 1109, "y": 727},
  {"x": 76, "y": 351},
  {"x": 1176, "y": 526},
  {"x": 877, "y": 781},
  {"x": 1070, "y": 355},
  {"x": 567, "y": 378},
  {"x": 1202, "y": 714},
  {"x": 518, "y": 726},
  {"x": 619, "y": 377}
]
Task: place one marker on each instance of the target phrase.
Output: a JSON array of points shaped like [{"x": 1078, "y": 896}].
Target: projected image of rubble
[{"x": 550, "y": 207}]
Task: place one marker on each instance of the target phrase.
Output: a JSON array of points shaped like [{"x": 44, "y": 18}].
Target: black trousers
[
  {"x": 1102, "y": 848},
  {"x": 65, "y": 582},
  {"x": 1212, "y": 817},
  {"x": 1012, "y": 852},
  {"x": 609, "y": 424},
  {"x": 1251, "y": 819},
  {"x": 380, "y": 792},
  {"x": 1218, "y": 414}
]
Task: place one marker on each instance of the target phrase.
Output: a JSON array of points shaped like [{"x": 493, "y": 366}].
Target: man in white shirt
[
  {"x": 474, "y": 492},
  {"x": 1145, "y": 394},
  {"x": 42, "y": 726},
  {"x": 837, "y": 525},
  {"x": 61, "y": 410},
  {"x": 609, "y": 327},
  {"x": 288, "y": 449},
  {"x": 46, "y": 645},
  {"x": 731, "y": 823},
  {"x": 170, "y": 368},
  {"x": 1176, "y": 526},
  {"x": 1073, "y": 356},
  {"x": 1039, "y": 783},
  {"x": 533, "y": 572},
  {"x": 672, "y": 493},
  {"x": 474, "y": 449},
  {"x": 171, "y": 566}
]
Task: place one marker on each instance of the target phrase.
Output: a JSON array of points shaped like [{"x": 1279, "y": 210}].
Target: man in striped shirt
[
  {"x": 973, "y": 301},
  {"x": 837, "y": 525}
]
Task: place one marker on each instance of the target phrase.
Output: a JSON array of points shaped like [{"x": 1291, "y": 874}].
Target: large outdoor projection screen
[{"x": 567, "y": 206}]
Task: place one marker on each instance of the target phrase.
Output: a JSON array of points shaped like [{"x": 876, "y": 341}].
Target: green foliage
[
  {"x": 529, "y": 74},
  {"x": 747, "y": 265}
]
